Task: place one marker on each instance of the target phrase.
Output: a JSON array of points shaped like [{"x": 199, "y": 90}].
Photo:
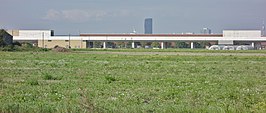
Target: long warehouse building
[{"x": 47, "y": 39}]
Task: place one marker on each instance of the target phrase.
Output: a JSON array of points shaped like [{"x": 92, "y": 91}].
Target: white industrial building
[{"x": 46, "y": 38}]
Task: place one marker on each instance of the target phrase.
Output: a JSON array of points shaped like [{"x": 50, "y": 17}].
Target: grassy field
[{"x": 87, "y": 82}]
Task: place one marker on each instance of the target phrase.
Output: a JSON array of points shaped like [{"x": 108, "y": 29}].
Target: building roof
[{"x": 157, "y": 35}]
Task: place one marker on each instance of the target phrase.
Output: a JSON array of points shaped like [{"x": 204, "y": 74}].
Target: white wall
[
  {"x": 149, "y": 38},
  {"x": 241, "y": 33},
  {"x": 153, "y": 38},
  {"x": 236, "y": 35},
  {"x": 32, "y": 34}
]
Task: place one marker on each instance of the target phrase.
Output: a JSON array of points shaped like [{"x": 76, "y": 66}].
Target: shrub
[
  {"x": 22, "y": 47},
  {"x": 48, "y": 76},
  {"x": 16, "y": 43},
  {"x": 110, "y": 79},
  {"x": 7, "y": 48},
  {"x": 27, "y": 45}
]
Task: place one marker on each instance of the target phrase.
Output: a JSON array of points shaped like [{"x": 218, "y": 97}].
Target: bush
[
  {"x": 24, "y": 47},
  {"x": 16, "y": 46},
  {"x": 48, "y": 76},
  {"x": 16, "y": 43},
  {"x": 43, "y": 49},
  {"x": 110, "y": 79},
  {"x": 27, "y": 45},
  {"x": 7, "y": 48}
]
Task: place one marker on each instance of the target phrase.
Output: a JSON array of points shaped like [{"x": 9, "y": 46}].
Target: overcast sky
[{"x": 122, "y": 16}]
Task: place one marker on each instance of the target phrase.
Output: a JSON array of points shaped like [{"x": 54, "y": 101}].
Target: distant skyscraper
[
  {"x": 263, "y": 29},
  {"x": 148, "y": 26},
  {"x": 206, "y": 31}
]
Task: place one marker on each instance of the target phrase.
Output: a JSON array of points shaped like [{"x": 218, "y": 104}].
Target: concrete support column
[
  {"x": 252, "y": 44},
  {"x": 133, "y": 44},
  {"x": 162, "y": 45},
  {"x": 92, "y": 44},
  {"x": 104, "y": 45},
  {"x": 191, "y": 45}
]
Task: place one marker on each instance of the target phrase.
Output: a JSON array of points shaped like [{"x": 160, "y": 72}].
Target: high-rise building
[
  {"x": 263, "y": 29},
  {"x": 148, "y": 26},
  {"x": 206, "y": 31}
]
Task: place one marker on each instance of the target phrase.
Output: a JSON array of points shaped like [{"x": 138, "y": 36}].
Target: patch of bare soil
[{"x": 60, "y": 49}]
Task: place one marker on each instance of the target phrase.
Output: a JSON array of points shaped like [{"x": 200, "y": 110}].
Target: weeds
[
  {"x": 125, "y": 83},
  {"x": 110, "y": 79},
  {"x": 49, "y": 76}
]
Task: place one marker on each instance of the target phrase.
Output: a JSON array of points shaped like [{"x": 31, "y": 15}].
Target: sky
[{"x": 123, "y": 16}]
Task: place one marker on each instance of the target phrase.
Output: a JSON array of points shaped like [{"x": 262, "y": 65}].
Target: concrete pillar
[
  {"x": 104, "y": 45},
  {"x": 253, "y": 44},
  {"x": 191, "y": 45},
  {"x": 133, "y": 44},
  {"x": 91, "y": 44},
  {"x": 162, "y": 45}
]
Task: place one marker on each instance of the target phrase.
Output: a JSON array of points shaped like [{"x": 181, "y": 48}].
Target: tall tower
[
  {"x": 206, "y": 31},
  {"x": 148, "y": 26},
  {"x": 263, "y": 29}
]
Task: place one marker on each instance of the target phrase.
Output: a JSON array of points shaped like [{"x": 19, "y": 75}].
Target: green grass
[{"x": 77, "y": 82}]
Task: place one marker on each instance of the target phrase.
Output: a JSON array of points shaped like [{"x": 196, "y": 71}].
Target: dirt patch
[{"x": 60, "y": 49}]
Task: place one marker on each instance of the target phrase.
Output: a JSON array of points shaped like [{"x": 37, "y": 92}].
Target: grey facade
[
  {"x": 206, "y": 31},
  {"x": 148, "y": 26},
  {"x": 7, "y": 38}
]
